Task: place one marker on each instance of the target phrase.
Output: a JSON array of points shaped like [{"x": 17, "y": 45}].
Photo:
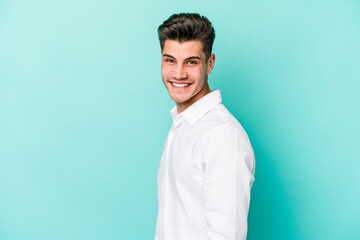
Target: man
[{"x": 207, "y": 168}]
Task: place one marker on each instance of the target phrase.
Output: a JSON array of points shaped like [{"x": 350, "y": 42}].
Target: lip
[
  {"x": 180, "y": 88},
  {"x": 180, "y": 82}
]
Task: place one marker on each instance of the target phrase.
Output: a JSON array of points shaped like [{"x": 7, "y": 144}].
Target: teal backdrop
[{"x": 84, "y": 114}]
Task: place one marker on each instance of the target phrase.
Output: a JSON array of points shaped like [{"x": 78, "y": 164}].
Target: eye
[
  {"x": 169, "y": 60},
  {"x": 191, "y": 62}
]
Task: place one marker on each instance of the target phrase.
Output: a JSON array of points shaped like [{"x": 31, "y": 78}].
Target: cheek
[
  {"x": 197, "y": 75},
  {"x": 164, "y": 71}
]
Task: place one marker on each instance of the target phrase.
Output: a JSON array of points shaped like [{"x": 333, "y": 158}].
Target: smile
[{"x": 182, "y": 85}]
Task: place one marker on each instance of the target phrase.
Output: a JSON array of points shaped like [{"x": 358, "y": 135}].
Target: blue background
[{"x": 84, "y": 114}]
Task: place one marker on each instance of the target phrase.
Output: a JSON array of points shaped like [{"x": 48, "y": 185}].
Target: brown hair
[{"x": 184, "y": 27}]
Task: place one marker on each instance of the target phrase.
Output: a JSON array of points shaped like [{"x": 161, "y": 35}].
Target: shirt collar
[{"x": 198, "y": 109}]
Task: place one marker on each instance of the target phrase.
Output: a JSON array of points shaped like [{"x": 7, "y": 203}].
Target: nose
[{"x": 179, "y": 72}]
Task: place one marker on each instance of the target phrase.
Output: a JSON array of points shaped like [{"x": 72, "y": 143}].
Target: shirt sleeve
[{"x": 228, "y": 165}]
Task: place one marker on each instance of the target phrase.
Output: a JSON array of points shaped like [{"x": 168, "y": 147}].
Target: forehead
[{"x": 183, "y": 49}]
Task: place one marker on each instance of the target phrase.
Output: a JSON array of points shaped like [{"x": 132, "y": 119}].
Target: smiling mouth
[{"x": 180, "y": 85}]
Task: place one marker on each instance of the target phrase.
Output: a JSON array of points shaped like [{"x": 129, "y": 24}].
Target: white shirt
[{"x": 205, "y": 175}]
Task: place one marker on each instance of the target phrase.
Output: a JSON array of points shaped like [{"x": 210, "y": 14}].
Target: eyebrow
[{"x": 192, "y": 57}]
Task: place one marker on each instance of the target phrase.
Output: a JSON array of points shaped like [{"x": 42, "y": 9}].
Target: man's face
[{"x": 184, "y": 71}]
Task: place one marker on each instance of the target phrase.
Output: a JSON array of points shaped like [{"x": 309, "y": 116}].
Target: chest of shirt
[{"x": 182, "y": 154}]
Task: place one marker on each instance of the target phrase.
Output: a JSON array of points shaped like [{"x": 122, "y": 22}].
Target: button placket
[{"x": 177, "y": 122}]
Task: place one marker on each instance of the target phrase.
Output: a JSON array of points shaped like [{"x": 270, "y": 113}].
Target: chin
[
  {"x": 179, "y": 100},
  {"x": 179, "y": 97}
]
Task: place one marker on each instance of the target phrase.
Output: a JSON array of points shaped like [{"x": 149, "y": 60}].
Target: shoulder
[
  {"x": 224, "y": 140},
  {"x": 220, "y": 125},
  {"x": 219, "y": 119}
]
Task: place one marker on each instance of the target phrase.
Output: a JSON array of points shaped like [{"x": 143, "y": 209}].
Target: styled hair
[{"x": 184, "y": 27}]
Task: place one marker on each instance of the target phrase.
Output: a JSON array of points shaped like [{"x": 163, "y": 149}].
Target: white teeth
[{"x": 180, "y": 85}]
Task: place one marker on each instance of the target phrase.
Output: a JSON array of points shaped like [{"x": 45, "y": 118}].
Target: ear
[{"x": 210, "y": 63}]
